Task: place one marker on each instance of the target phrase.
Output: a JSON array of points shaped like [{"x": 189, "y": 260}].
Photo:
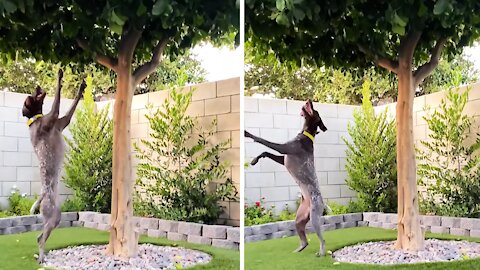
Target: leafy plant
[
  {"x": 88, "y": 167},
  {"x": 371, "y": 158},
  {"x": 180, "y": 175},
  {"x": 19, "y": 204},
  {"x": 449, "y": 161},
  {"x": 258, "y": 214}
]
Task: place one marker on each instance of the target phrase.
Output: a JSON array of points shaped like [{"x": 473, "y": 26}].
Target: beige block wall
[{"x": 212, "y": 100}]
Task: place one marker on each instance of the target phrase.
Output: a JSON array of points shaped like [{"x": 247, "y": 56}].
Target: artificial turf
[
  {"x": 16, "y": 251},
  {"x": 277, "y": 254}
]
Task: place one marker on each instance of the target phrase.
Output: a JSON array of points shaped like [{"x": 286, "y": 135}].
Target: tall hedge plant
[{"x": 371, "y": 158}]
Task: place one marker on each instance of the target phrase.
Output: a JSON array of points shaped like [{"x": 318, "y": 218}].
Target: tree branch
[
  {"x": 426, "y": 69},
  {"x": 104, "y": 60},
  {"x": 146, "y": 69},
  {"x": 384, "y": 62}
]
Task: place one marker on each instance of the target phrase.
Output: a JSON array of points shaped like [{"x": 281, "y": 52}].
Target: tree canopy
[
  {"x": 55, "y": 30},
  {"x": 346, "y": 33}
]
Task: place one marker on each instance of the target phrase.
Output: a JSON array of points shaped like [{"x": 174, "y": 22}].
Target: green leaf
[
  {"x": 280, "y": 5},
  {"x": 398, "y": 29},
  {"x": 440, "y": 7},
  {"x": 282, "y": 19},
  {"x": 398, "y": 20},
  {"x": 298, "y": 14},
  {"x": 117, "y": 29},
  {"x": 160, "y": 7},
  {"x": 120, "y": 20},
  {"x": 141, "y": 9}
]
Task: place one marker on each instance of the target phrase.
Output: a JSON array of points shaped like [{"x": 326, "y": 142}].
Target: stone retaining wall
[
  {"x": 13, "y": 225},
  {"x": 213, "y": 235},
  {"x": 435, "y": 224}
]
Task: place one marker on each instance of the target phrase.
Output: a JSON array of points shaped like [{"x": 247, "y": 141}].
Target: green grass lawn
[
  {"x": 16, "y": 251},
  {"x": 277, "y": 254}
]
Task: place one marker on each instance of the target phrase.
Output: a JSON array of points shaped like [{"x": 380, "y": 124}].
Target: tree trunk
[
  {"x": 410, "y": 235},
  {"x": 123, "y": 235}
]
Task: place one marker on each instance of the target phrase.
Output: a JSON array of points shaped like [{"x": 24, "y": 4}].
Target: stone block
[
  {"x": 362, "y": 223},
  {"x": 69, "y": 216},
  {"x": 459, "y": 232},
  {"x": 440, "y": 229},
  {"x": 168, "y": 225},
  {"x": 450, "y": 222},
  {"x": 328, "y": 227},
  {"x": 470, "y": 223},
  {"x": 77, "y": 223},
  {"x": 389, "y": 226},
  {"x": 233, "y": 234},
  {"x": 352, "y": 217},
  {"x": 222, "y": 243},
  {"x": 24, "y": 220},
  {"x": 344, "y": 225},
  {"x": 286, "y": 225},
  {"x": 36, "y": 227},
  {"x": 247, "y": 231},
  {"x": 370, "y": 216},
  {"x": 431, "y": 220},
  {"x": 375, "y": 224},
  {"x": 149, "y": 223},
  {"x": 92, "y": 225},
  {"x": 5, "y": 223},
  {"x": 333, "y": 219},
  {"x": 64, "y": 224},
  {"x": 475, "y": 233},
  {"x": 176, "y": 236},
  {"x": 15, "y": 230},
  {"x": 264, "y": 228},
  {"x": 156, "y": 233},
  {"x": 215, "y": 231},
  {"x": 190, "y": 228},
  {"x": 255, "y": 238},
  {"x": 86, "y": 216},
  {"x": 197, "y": 239},
  {"x": 282, "y": 234},
  {"x": 103, "y": 227}
]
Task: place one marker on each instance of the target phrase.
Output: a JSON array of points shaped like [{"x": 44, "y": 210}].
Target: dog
[
  {"x": 297, "y": 157},
  {"x": 49, "y": 146}
]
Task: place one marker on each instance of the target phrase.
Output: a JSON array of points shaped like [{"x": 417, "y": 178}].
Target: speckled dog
[
  {"x": 298, "y": 159},
  {"x": 48, "y": 144}
]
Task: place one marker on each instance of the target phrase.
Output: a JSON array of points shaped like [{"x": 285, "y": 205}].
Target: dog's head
[
  {"x": 34, "y": 103},
  {"x": 312, "y": 118}
]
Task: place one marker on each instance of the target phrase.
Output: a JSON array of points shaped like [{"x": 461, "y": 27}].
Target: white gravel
[
  {"x": 150, "y": 257},
  {"x": 383, "y": 252}
]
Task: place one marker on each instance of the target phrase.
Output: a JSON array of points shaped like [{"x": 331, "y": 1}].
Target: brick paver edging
[
  {"x": 215, "y": 235},
  {"x": 435, "y": 224}
]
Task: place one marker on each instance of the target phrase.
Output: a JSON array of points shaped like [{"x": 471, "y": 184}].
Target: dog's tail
[
  {"x": 329, "y": 210},
  {"x": 36, "y": 205}
]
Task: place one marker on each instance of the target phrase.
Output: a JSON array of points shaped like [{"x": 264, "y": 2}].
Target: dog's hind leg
[
  {"x": 49, "y": 224},
  {"x": 303, "y": 216},
  {"x": 315, "y": 215},
  {"x": 278, "y": 159}
]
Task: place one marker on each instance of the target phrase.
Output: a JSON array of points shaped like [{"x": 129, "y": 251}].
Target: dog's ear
[{"x": 321, "y": 125}]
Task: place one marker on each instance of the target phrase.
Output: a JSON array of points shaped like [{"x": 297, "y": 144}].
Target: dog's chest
[
  {"x": 301, "y": 168},
  {"x": 49, "y": 148}
]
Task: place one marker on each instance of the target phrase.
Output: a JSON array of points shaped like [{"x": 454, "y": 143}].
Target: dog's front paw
[
  {"x": 254, "y": 161},
  {"x": 248, "y": 134}
]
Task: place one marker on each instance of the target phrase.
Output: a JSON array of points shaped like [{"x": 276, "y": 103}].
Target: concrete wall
[
  {"x": 280, "y": 120},
  {"x": 213, "y": 100},
  {"x": 18, "y": 163}
]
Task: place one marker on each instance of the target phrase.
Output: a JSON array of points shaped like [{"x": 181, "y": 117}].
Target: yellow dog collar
[
  {"x": 309, "y": 135},
  {"x": 31, "y": 120}
]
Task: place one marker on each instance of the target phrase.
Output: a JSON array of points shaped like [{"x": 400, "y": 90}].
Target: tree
[
  {"x": 116, "y": 34},
  {"x": 405, "y": 38}
]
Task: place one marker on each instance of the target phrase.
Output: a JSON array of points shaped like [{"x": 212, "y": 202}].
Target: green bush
[
  {"x": 450, "y": 160},
  {"x": 180, "y": 175},
  {"x": 256, "y": 214},
  {"x": 88, "y": 166},
  {"x": 20, "y": 204},
  {"x": 371, "y": 158}
]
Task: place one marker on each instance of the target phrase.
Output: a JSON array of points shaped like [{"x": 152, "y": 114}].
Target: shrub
[
  {"x": 371, "y": 158},
  {"x": 88, "y": 167},
  {"x": 20, "y": 204},
  {"x": 257, "y": 214},
  {"x": 178, "y": 166},
  {"x": 449, "y": 160}
]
